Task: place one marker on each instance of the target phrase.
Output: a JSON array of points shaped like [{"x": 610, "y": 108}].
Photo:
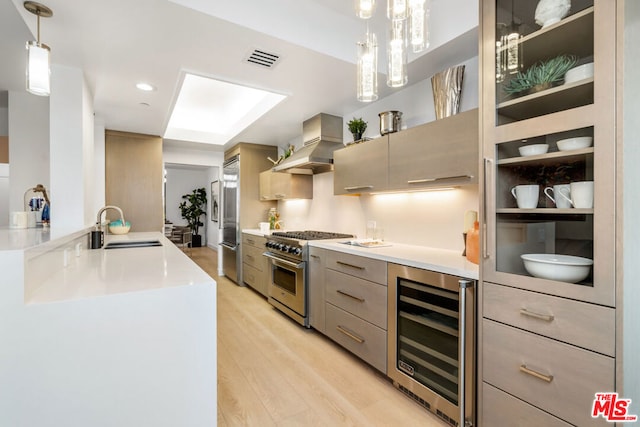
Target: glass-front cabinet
[
  {"x": 549, "y": 137},
  {"x": 549, "y": 76}
]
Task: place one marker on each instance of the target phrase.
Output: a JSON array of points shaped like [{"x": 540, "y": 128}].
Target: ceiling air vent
[{"x": 262, "y": 58}]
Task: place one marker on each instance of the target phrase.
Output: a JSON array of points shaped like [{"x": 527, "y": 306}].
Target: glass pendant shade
[
  {"x": 513, "y": 50},
  {"x": 397, "y": 9},
  {"x": 38, "y": 70},
  {"x": 419, "y": 24},
  {"x": 365, "y": 8},
  {"x": 368, "y": 69},
  {"x": 397, "y": 54}
]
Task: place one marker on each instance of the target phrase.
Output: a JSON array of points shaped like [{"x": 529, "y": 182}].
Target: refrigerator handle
[
  {"x": 464, "y": 285},
  {"x": 228, "y": 246}
]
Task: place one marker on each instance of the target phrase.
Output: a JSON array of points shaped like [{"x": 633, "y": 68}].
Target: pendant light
[
  {"x": 367, "y": 79},
  {"x": 365, "y": 8},
  {"x": 508, "y": 48},
  {"x": 38, "y": 71},
  {"x": 397, "y": 9},
  {"x": 397, "y": 54},
  {"x": 419, "y": 24}
]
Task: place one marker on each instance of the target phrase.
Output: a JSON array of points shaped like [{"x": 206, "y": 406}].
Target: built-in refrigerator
[{"x": 231, "y": 260}]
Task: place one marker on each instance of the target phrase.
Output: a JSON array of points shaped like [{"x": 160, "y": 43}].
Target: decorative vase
[
  {"x": 357, "y": 137},
  {"x": 549, "y": 12},
  {"x": 196, "y": 241},
  {"x": 447, "y": 89}
]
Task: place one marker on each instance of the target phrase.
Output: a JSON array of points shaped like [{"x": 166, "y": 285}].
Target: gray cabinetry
[
  {"x": 255, "y": 267},
  {"x": 355, "y": 312},
  {"x": 361, "y": 168},
  {"x": 283, "y": 186},
  {"x": 316, "y": 272},
  {"x": 548, "y": 343},
  {"x": 444, "y": 152}
]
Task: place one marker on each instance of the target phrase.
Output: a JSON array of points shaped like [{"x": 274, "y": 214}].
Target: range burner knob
[
  {"x": 296, "y": 251},
  {"x": 285, "y": 248},
  {"x": 280, "y": 246}
]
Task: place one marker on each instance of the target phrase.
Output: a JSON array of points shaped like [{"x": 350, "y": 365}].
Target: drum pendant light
[
  {"x": 38, "y": 55},
  {"x": 365, "y": 8}
]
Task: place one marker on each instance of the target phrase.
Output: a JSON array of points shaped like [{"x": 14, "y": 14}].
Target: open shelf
[
  {"x": 552, "y": 100},
  {"x": 548, "y": 158},
  {"x": 546, "y": 211}
]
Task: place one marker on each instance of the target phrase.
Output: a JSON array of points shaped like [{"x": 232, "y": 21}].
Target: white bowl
[
  {"x": 563, "y": 268},
  {"x": 116, "y": 227},
  {"x": 533, "y": 149},
  {"x": 580, "y": 72},
  {"x": 575, "y": 143}
]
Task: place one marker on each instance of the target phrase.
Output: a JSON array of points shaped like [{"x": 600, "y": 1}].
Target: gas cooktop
[{"x": 310, "y": 235}]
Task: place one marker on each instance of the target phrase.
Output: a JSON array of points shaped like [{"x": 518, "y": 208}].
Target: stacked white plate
[{"x": 580, "y": 72}]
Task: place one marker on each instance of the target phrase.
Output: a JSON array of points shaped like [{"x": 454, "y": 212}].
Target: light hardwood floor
[{"x": 273, "y": 372}]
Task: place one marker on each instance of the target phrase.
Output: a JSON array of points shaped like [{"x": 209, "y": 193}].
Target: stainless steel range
[{"x": 288, "y": 284}]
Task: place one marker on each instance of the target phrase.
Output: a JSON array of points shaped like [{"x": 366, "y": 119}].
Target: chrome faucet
[{"x": 98, "y": 220}]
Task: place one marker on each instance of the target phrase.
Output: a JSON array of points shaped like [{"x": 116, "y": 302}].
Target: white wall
[
  {"x": 180, "y": 180},
  {"x": 4, "y": 121},
  {"x": 432, "y": 219},
  {"x": 71, "y": 150},
  {"x": 4, "y": 171},
  {"x": 29, "y": 145},
  {"x": 631, "y": 207}
]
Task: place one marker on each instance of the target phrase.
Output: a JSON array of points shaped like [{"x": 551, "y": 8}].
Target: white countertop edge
[{"x": 440, "y": 260}]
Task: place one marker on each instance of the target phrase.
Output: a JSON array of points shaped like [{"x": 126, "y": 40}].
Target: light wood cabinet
[
  {"x": 437, "y": 154},
  {"x": 255, "y": 267},
  {"x": 361, "y": 168},
  {"x": 444, "y": 152},
  {"x": 316, "y": 274},
  {"x": 354, "y": 294},
  {"x": 284, "y": 186},
  {"x": 562, "y": 330},
  {"x": 133, "y": 179}
]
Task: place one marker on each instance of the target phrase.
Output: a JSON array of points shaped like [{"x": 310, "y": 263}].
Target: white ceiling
[{"x": 121, "y": 42}]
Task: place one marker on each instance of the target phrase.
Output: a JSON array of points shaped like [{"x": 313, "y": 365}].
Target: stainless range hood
[{"x": 322, "y": 135}]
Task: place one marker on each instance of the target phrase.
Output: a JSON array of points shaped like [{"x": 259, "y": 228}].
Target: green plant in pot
[
  {"x": 192, "y": 209},
  {"x": 540, "y": 76},
  {"x": 357, "y": 128}
]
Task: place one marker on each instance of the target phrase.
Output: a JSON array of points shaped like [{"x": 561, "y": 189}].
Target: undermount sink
[{"x": 132, "y": 244}]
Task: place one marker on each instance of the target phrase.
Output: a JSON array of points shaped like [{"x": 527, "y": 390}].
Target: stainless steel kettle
[{"x": 390, "y": 121}]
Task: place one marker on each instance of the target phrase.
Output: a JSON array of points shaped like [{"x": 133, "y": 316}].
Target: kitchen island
[{"x": 102, "y": 337}]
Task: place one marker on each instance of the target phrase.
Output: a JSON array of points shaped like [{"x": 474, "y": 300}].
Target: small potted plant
[
  {"x": 191, "y": 209},
  {"x": 540, "y": 76},
  {"x": 357, "y": 128}
]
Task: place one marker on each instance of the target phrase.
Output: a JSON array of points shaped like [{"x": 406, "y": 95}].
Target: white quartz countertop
[
  {"x": 102, "y": 272},
  {"x": 257, "y": 232},
  {"x": 440, "y": 260}
]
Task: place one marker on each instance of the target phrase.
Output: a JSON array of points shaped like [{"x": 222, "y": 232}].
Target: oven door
[{"x": 286, "y": 284}]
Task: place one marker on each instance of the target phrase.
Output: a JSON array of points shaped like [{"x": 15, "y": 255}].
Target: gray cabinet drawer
[
  {"x": 253, "y": 257},
  {"x": 502, "y": 409},
  {"x": 362, "y": 338},
  {"x": 254, "y": 278},
  {"x": 585, "y": 325},
  {"x": 360, "y": 297},
  {"x": 251, "y": 240},
  {"x": 364, "y": 268},
  {"x": 517, "y": 362}
]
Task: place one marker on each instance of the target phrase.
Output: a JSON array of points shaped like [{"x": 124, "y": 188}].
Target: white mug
[
  {"x": 581, "y": 194},
  {"x": 560, "y": 190},
  {"x": 18, "y": 219},
  {"x": 526, "y": 196}
]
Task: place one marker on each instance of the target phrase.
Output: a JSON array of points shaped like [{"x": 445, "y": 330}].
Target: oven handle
[
  {"x": 464, "y": 285},
  {"x": 285, "y": 262}
]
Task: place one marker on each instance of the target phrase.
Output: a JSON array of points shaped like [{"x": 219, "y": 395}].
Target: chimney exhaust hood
[{"x": 322, "y": 135}]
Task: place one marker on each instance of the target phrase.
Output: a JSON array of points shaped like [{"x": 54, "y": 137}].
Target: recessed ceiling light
[
  {"x": 145, "y": 87},
  {"x": 213, "y": 111}
]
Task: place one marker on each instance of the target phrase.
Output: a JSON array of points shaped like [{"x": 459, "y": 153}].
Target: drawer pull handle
[
  {"x": 350, "y": 334},
  {"x": 250, "y": 257},
  {"x": 350, "y": 296},
  {"x": 360, "y": 187},
  {"x": 426, "y": 180},
  {"x": 545, "y": 317},
  {"x": 357, "y": 267},
  {"x": 543, "y": 377},
  {"x": 314, "y": 256},
  {"x": 251, "y": 242}
]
